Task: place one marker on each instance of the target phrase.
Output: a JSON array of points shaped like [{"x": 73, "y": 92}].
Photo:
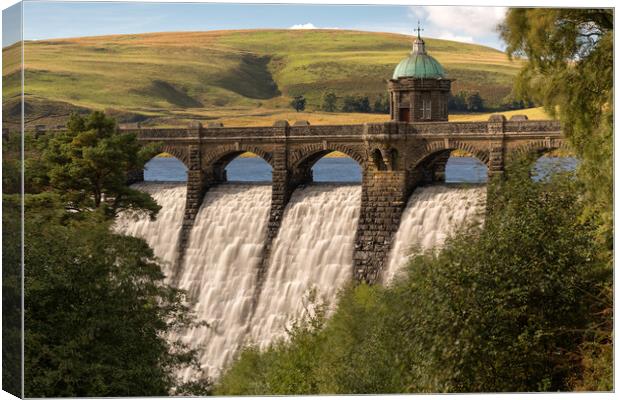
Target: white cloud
[
  {"x": 308, "y": 25},
  {"x": 459, "y": 23},
  {"x": 457, "y": 38}
]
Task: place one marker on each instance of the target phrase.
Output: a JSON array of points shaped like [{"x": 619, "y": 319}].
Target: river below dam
[{"x": 312, "y": 251}]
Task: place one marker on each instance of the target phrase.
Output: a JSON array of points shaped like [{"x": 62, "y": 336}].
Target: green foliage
[
  {"x": 475, "y": 102},
  {"x": 504, "y": 308},
  {"x": 328, "y": 102},
  {"x": 569, "y": 70},
  {"x": 382, "y": 105},
  {"x": 464, "y": 101},
  {"x": 11, "y": 294},
  {"x": 299, "y": 103},
  {"x": 89, "y": 165},
  {"x": 359, "y": 104},
  {"x": 97, "y": 311}
]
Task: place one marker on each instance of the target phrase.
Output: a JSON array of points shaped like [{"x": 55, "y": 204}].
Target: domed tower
[{"x": 419, "y": 90}]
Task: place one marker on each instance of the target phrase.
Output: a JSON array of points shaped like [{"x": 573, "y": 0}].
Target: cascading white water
[
  {"x": 313, "y": 249},
  {"x": 431, "y": 215},
  {"x": 162, "y": 234},
  {"x": 220, "y": 267}
]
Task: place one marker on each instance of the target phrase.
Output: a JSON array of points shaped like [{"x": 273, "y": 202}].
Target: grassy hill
[{"x": 217, "y": 75}]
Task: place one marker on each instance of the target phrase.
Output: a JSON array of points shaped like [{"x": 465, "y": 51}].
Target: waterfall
[
  {"x": 219, "y": 271},
  {"x": 163, "y": 233},
  {"x": 431, "y": 215},
  {"x": 313, "y": 249}
]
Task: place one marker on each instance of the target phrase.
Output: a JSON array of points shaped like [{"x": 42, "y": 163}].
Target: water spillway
[
  {"x": 161, "y": 234},
  {"x": 313, "y": 250},
  {"x": 220, "y": 269},
  {"x": 431, "y": 215}
]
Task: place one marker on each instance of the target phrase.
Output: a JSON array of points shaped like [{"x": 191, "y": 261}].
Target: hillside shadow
[
  {"x": 166, "y": 91},
  {"x": 251, "y": 78}
]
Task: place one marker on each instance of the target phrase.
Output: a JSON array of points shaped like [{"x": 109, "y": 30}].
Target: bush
[{"x": 298, "y": 103}]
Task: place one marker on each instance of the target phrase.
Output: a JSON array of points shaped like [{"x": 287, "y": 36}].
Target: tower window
[{"x": 426, "y": 108}]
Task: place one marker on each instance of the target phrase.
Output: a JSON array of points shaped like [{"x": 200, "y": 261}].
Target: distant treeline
[
  {"x": 463, "y": 101},
  {"x": 330, "y": 102}
]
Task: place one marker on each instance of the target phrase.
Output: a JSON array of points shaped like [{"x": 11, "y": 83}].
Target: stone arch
[
  {"x": 313, "y": 152},
  {"x": 433, "y": 148},
  {"x": 179, "y": 152},
  {"x": 227, "y": 152},
  {"x": 377, "y": 160}
]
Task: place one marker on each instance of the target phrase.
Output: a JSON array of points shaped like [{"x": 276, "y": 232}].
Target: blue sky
[{"x": 45, "y": 20}]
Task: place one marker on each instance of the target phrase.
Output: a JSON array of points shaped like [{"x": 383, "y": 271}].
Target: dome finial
[
  {"x": 419, "y": 29},
  {"x": 418, "y": 43}
]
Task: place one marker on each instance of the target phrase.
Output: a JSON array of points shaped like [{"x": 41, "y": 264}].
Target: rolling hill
[{"x": 214, "y": 75}]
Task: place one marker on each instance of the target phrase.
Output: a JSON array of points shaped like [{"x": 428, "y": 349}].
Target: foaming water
[
  {"x": 431, "y": 215},
  {"x": 313, "y": 249},
  {"x": 162, "y": 234},
  {"x": 220, "y": 267}
]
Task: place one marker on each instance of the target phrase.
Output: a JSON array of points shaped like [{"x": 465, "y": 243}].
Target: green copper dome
[{"x": 419, "y": 64}]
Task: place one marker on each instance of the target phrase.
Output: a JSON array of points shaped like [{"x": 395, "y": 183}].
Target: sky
[{"x": 50, "y": 19}]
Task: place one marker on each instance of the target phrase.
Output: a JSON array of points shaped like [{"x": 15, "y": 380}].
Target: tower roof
[{"x": 419, "y": 64}]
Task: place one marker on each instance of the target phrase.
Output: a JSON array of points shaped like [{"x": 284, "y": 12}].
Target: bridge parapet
[
  {"x": 334, "y": 131},
  {"x": 533, "y": 126},
  {"x": 516, "y": 125},
  {"x": 242, "y": 132}
]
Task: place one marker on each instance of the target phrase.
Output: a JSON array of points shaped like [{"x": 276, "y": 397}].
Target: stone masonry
[{"x": 395, "y": 158}]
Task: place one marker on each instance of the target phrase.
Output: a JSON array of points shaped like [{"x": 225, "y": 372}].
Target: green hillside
[{"x": 197, "y": 73}]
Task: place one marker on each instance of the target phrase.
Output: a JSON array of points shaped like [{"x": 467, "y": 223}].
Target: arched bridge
[{"x": 395, "y": 158}]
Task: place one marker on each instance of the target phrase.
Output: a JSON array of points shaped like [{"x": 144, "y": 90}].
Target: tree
[
  {"x": 364, "y": 104},
  {"x": 475, "y": 103},
  {"x": 98, "y": 315},
  {"x": 328, "y": 102},
  {"x": 299, "y": 103},
  {"x": 382, "y": 105},
  {"x": 349, "y": 104},
  {"x": 89, "y": 165},
  {"x": 568, "y": 69},
  {"x": 458, "y": 102},
  {"x": 12, "y": 333},
  {"x": 356, "y": 104}
]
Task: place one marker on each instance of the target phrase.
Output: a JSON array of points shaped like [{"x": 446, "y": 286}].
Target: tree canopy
[
  {"x": 298, "y": 103},
  {"x": 328, "y": 102},
  {"x": 89, "y": 166},
  {"x": 569, "y": 69},
  {"x": 98, "y": 315}
]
